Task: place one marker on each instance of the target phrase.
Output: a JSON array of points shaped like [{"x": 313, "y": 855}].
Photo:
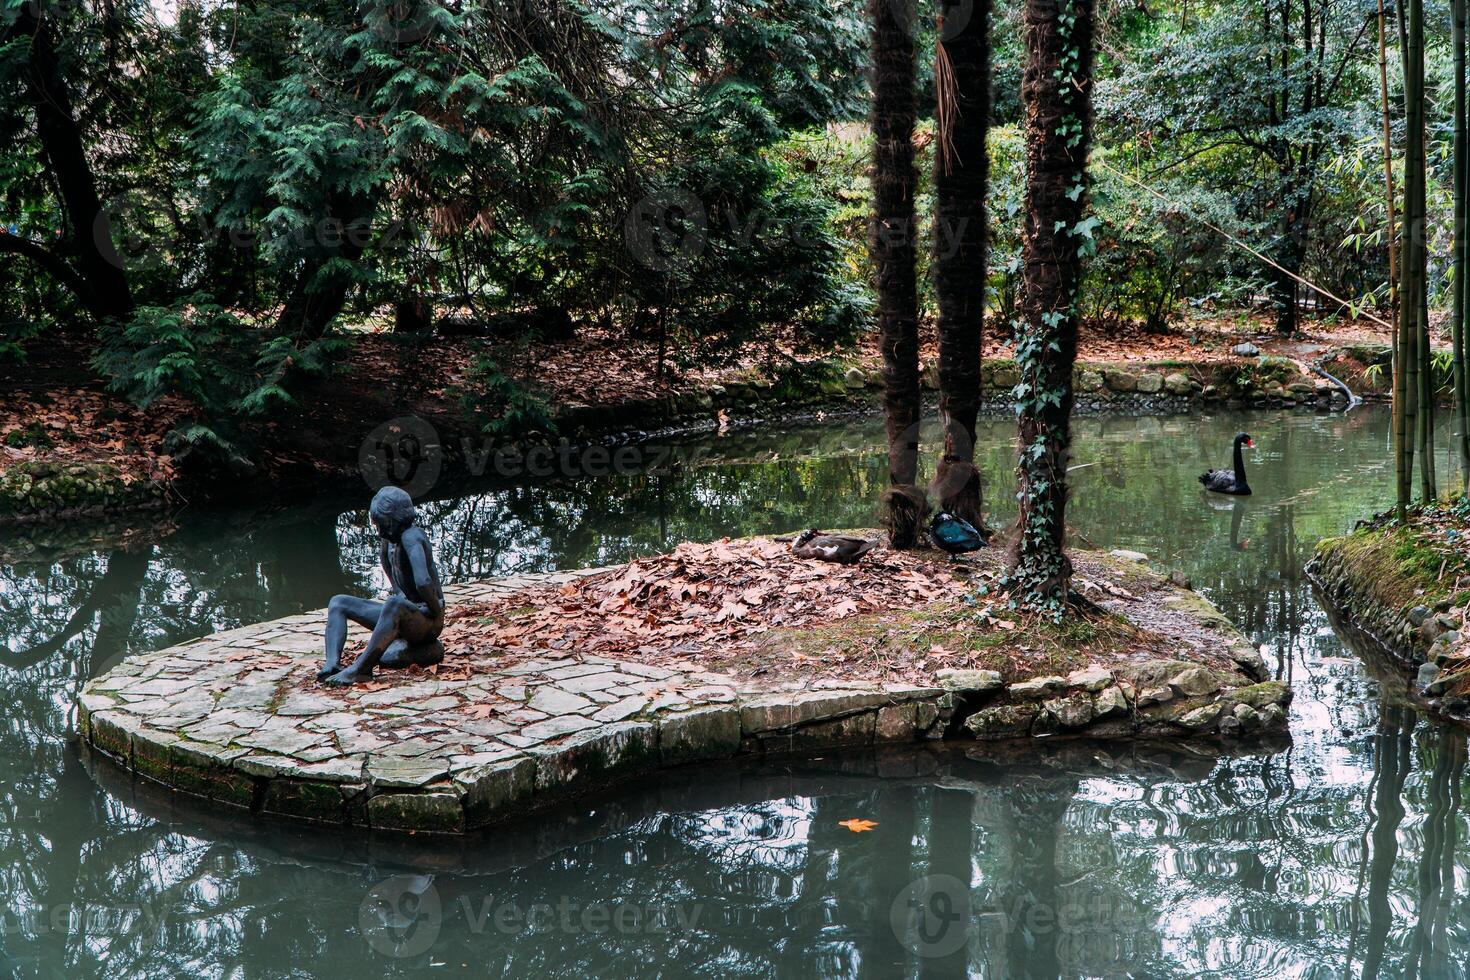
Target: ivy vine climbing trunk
[
  {"x": 1056, "y": 92},
  {"x": 891, "y": 244},
  {"x": 961, "y": 166},
  {"x": 1462, "y": 240}
]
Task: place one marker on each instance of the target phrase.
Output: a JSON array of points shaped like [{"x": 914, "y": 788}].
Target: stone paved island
[{"x": 234, "y": 717}]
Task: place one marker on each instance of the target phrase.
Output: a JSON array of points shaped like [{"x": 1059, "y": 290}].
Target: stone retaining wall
[
  {"x": 1422, "y": 638},
  {"x": 1263, "y": 383},
  {"x": 235, "y": 718}
]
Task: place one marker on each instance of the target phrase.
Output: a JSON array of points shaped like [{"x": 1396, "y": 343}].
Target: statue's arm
[
  {"x": 423, "y": 580},
  {"x": 387, "y": 571}
]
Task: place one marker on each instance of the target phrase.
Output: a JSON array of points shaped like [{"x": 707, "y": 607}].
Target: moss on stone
[
  {"x": 113, "y": 734},
  {"x": 220, "y": 785},
  {"x": 1395, "y": 566},
  {"x": 305, "y": 799},
  {"x": 439, "y": 813},
  {"x": 153, "y": 756},
  {"x": 705, "y": 733},
  {"x": 490, "y": 791},
  {"x": 36, "y": 487}
]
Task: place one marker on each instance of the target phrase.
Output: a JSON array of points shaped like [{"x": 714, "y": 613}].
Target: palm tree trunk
[
  {"x": 961, "y": 165},
  {"x": 891, "y": 244},
  {"x": 1056, "y": 90}
]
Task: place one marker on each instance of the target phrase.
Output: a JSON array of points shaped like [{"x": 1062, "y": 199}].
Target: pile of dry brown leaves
[{"x": 722, "y": 594}]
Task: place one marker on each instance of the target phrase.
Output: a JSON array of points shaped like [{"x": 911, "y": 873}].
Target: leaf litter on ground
[{"x": 700, "y": 596}]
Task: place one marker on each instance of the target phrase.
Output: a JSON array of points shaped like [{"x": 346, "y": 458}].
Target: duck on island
[
  {"x": 954, "y": 535},
  {"x": 844, "y": 549},
  {"x": 1226, "y": 481}
]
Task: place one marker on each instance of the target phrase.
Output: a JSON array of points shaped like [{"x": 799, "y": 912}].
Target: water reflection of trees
[
  {"x": 1232, "y": 866},
  {"x": 1344, "y": 851}
]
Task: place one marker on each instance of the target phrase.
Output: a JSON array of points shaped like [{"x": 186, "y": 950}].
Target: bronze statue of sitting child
[{"x": 406, "y": 627}]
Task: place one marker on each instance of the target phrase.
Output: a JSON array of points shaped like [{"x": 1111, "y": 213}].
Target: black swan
[
  {"x": 954, "y": 535},
  {"x": 844, "y": 549},
  {"x": 1225, "y": 481}
]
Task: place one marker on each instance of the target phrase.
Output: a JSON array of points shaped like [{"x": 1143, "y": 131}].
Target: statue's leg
[
  {"x": 364, "y": 612},
  {"x": 398, "y": 615}
]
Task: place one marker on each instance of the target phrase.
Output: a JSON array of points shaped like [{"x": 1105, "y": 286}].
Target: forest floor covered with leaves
[{"x": 753, "y": 609}]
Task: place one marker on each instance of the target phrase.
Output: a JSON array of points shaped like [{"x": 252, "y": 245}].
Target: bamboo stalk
[
  {"x": 1411, "y": 268},
  {"x": 1399, "y": 433}
]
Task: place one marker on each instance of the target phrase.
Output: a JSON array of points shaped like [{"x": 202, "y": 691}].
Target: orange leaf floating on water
[{"x": 857, "y": 825}]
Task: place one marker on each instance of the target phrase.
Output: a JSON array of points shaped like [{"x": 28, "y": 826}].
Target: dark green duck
[{"x": 954, "y": 535}]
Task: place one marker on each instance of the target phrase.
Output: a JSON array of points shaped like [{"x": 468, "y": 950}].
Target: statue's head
[{"x": 392, "y": 512}]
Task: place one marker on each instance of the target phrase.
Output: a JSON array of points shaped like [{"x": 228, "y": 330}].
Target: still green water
[{"x": 1345, "y": 854}]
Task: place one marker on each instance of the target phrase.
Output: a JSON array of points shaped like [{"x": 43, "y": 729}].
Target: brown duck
[{"x": 844, "y": 549}]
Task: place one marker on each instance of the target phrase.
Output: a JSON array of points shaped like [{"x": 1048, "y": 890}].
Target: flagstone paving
[{"x": 237, "y": 718}]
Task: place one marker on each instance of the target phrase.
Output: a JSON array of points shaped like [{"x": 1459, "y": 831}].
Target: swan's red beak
[{"x": 1250, "y": 444}]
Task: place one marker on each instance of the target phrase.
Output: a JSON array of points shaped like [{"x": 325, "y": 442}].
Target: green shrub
[{"x": 230, "y": 371}]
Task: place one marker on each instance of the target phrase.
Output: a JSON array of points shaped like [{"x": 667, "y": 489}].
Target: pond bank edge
[{"x": 1407, "y": 636}]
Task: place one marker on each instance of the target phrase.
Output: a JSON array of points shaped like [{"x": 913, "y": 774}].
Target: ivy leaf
[{"x": 1085, "y": 226}]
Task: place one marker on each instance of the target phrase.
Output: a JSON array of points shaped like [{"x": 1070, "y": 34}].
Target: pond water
[{"x": 1345, "y": 854}]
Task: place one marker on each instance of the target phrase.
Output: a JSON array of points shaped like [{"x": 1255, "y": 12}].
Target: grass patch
[
  {"x": 1423, "y": 561},
  {"x": 959, "y": 635}
]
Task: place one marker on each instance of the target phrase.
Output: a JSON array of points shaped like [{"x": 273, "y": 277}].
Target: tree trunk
[
  {"x": 1056, "y": 92},
  {"x": 413, "y": 314},
  {"x": 88, "y": 227},
  {"x": 961, "y": 165},
  {"x": 1462, "y": 242},
  {"x": 891, "y": 243},
  {"x": 321, "y": 286},
  {"x": 1399, "y": 433},
  {"x": 1283, "y": 285},
  {"x": 1416, "y": 270},
  {"x": 1412, "y": 268}
]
